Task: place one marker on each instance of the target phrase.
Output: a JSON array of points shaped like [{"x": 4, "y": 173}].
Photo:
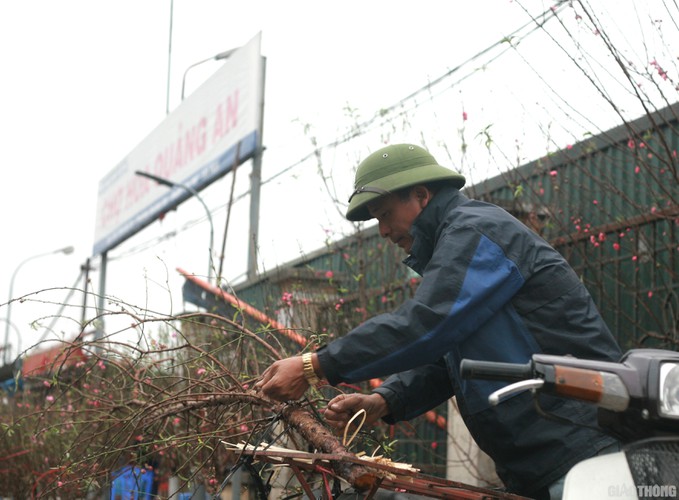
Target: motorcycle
[{"x": 637, "y": 402}]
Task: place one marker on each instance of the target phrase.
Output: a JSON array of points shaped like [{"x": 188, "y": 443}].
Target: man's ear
[{"x": 423, "y": 195}]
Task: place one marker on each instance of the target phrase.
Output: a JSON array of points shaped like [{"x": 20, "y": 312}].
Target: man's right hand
[{"x": 341, "y": 408}]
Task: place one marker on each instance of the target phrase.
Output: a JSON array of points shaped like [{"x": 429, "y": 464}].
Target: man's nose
[{"x": 383, "y": 229}]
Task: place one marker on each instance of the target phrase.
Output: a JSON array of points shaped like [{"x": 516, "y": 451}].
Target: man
[{"x": 491, "y": 290}]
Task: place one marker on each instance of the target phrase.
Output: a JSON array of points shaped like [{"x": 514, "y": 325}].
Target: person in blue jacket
[{"x": 492, "y": 289}]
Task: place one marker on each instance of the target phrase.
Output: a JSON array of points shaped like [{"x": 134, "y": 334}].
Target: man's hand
[
  {"x": 284, "y": 380},
  {"x": 341, "y": 408}
]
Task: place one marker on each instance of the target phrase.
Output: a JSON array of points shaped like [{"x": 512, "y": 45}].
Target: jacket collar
[{"x": 425, "y": 227}]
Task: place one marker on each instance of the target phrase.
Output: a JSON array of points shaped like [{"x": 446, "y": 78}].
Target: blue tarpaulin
[
  {"x": 132, "y": 483},
  {"x": 10, "y": 386}
]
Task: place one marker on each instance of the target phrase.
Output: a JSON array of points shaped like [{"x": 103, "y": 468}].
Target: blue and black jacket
[{"x": 492, "y": 290}]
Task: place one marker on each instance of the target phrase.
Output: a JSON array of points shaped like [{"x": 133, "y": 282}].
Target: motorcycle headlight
[{"x": 669, "y": 389}]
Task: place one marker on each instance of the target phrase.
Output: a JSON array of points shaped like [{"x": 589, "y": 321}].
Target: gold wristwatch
[{"x": 309, "y": 372}]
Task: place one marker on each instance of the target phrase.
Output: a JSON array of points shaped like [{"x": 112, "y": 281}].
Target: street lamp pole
[
  {"x": 18, "y": 334},
  {"x": 172, "y": 184},
  {"x": 217, "y": 57},
  {"x": 65, "y": 251}
]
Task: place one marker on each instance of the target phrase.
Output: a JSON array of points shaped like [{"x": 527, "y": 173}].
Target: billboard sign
[{"x": 194, "y": 146}]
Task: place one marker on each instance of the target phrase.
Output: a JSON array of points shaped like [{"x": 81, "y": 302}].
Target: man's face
[{"x": 395, "y": 216}]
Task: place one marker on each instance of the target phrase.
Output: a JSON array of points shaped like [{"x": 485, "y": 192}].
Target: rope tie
[{"x": 361, "y": 412}]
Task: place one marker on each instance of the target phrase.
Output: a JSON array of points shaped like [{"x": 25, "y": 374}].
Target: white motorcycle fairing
[{"x": 602, "y": 477}]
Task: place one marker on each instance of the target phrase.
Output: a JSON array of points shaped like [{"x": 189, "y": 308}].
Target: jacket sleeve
[
  {"x": 467, "y": 280},
  {"x": 414, "y": 392}
]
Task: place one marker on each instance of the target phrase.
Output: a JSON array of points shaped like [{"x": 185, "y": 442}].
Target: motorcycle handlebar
[
  {"x": 489, "y": 370},
  {"x": 600, "y": 382}
]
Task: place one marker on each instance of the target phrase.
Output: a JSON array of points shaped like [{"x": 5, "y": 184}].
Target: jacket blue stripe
[{"x": 490, "y": 282}]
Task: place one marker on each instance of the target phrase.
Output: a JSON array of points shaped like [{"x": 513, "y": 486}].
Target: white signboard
[{"x": 195, "y": 145}]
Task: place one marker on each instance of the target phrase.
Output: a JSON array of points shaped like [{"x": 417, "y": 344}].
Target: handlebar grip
[{"x": 492, "y": 370}]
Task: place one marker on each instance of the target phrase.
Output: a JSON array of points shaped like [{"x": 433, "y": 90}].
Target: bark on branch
[{"x": 360, "y": 477}]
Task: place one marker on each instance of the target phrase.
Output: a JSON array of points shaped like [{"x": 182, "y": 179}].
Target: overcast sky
[{"x": 85, "y": 81}]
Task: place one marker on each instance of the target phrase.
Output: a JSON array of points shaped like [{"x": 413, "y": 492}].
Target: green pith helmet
[{"x": 392, "y": 168}]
